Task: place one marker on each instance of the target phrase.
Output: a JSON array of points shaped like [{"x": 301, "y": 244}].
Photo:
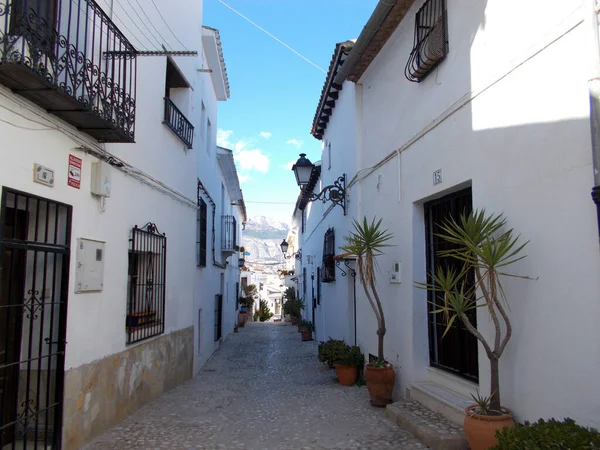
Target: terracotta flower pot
[
  {"x": 347, "y": 375},
  {"x": 294, "y": 320},
  {"x": 481, "y": 430},
  {"x": 380, "y": 384},
  {"x": 306, "y": 335}
]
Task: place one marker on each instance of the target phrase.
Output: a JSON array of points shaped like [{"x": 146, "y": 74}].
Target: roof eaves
[
  {"x": 330, "y": 88},
  {"x": 221, "y": 58}
]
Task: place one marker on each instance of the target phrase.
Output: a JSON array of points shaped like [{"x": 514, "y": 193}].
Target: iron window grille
[
  {"x": 318, "y": 285},
  {"x": 147, "y": 283},
  {"x": 303, "y": 221},
  {"x": 229, "y": 233},
  {"x": 430, "y": 40},
  {"x": 328, "y": 271},
  {"x": 69, "y": 58},
  {"x": 202, "y": 227}
]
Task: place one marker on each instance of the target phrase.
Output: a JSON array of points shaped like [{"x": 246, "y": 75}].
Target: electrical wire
[
  {"x": 134, "y": 22},
  {"x": 25, "y": 128},
  {"x": 271, "y": 36},
  {"x": 165, "y": 22},
  {"x": 152, "y": 33},
  {"x": 270, "y": 203},
  {"x": 153, "y": 26}
]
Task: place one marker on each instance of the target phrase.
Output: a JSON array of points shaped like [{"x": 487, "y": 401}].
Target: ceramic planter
[
  {"x": 347, "y": 375},
  {"x": 481, "y": 430},
  {"x": 306, "y": 334},
  {"x": 380, "y": 384}
]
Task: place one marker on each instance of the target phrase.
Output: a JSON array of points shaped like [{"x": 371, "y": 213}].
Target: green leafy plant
[
  {"x": 551, "y": 434},
  {"x": 349, "y": 355},
  {"x": 263, "y": 313},
  {"x": 307, "y": 325},
  {"x": 366, "y": 242},
  {"x": 480, "y": 241},
  {"x": 329, "y": 350},
  {"x": 293, "y": 306},
  {"x": 249, "y": 297}
]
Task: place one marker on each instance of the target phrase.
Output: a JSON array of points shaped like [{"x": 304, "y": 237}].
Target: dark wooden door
[
  {"x": 457, "y": 351},
  {"x": 12, "y": 283}
]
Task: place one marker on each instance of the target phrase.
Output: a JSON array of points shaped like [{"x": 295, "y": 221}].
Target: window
[
  {"x": 328, "y": 272},
  {"x": 318, "y": 285},
  {"x": 201, "y": 232},
  {"x": 304, "y": 283},
  {"x": 303, "y": 221},
  {"x": 430, "y": 41},
  {"x": 244, "y": 282},
  {"x": 146, "y": 284},
  {"x": 177, "y": 99},
  {"x": 218, "y": 316},
  {"x": 329, "y": 155},
  {"x": 36, "y": 20}
]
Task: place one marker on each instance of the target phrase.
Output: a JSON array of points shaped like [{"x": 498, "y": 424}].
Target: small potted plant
[
  {"x": 293, "y": 306},
  {"x": 328, "y": 350},
  {"x": 366, "y": 242},
  {"x": 302, "y": 324},
  {"x": 346, "y": 363},
  {"x": 481, "y": 242},
  {"x": 307, "y": 330}
]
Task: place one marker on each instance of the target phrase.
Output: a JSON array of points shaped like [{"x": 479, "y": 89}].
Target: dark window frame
[
  {"x": 328, "y": 267},
  {"x": 202, "y": 233},
  {"x": 430, "y": 45}
]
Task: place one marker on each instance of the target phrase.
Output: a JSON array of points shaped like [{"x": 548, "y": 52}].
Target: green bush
[
  {"x": 329, "y": 350},
  {"x": 349, "y": 355},
  {"x": 263, "y": 313},
  {"x": 551, "y": 434}
]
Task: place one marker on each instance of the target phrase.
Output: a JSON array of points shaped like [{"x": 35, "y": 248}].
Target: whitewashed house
[
  {"x": 101, "y": 149},
  {"x": 487, "y": 110}
]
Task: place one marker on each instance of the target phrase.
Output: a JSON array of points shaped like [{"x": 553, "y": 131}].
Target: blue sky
[{"x": 274, "y": 93}]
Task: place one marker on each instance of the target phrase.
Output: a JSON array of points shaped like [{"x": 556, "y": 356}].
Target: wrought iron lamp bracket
[
  {"x": 297, "y": 255},
  {"x": 336, "y": 193}
]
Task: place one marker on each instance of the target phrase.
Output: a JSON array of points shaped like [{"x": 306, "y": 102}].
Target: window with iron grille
[
  {"x": 201, "y": 233},
  {"x": 318, "y": 285},
  {"x": 303, "y": 221},
  {"x": 218, "y": 316},
  {"x": 430, "y": 41},
  {"x": 328, "y": 270},
  {"x": 146, "y": 283}
]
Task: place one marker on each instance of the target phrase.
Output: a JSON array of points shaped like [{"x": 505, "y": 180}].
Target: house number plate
[{"x": 437, "y": 176}]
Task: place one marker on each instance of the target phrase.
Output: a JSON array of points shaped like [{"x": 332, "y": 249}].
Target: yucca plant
[
  {"x": 366, "y": 242},
  {"x": 484, "y": 246}
]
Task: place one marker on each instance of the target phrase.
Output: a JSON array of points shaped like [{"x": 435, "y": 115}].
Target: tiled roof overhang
[{"x": 329, "y": 93}]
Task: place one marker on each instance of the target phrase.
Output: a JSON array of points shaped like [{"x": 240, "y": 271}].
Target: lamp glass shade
[
  {"x": 284, "y": 247},
  {"x": 241, "y": 262},
  {"x": 303, "y": 170}
]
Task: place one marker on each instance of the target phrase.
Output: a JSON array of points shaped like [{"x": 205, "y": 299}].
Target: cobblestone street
[{"x": 264, "y": 389}]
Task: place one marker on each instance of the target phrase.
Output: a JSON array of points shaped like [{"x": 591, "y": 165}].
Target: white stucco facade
[{"x": 506, "y": 115}]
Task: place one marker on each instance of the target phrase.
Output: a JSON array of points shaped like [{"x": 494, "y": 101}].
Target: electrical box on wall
[
  {"x": 395, "y": 275},
  {"x": 100, "y": 179},
  {"x": 89, "y": 271}
]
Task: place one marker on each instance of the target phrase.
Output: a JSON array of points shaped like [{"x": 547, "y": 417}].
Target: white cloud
[
  {"x": 244, "y": 178},
  {"x": 252, "y": 160},
  {"x": 295, "y": 142},
  {"x": 223, "y": 137},
  {"x": 288, "y": 166},
  {"x": 265, "y": 134}
]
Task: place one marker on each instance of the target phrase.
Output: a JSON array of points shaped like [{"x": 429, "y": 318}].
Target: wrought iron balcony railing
[
  {"x": 178, "y": 123},
  {"x": 229, "y": 234},
  {"x": 68, "y": 57}
]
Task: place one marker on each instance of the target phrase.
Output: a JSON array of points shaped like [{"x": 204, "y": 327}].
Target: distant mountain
[{"x": 262, "y": 238}]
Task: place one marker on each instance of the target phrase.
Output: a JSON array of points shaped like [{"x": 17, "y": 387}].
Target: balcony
[
  {"x": 177, "y": 122},
  {"x": 229, "y": 235},
  {"x": 69, "y": 58}
]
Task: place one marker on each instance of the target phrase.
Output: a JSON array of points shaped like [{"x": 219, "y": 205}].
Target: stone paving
[{"x": 264, "y": 389}]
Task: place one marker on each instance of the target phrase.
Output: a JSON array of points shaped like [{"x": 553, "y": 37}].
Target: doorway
[
  {"x": 35, "y": 235},
  {"x": 456, "y": 352}
]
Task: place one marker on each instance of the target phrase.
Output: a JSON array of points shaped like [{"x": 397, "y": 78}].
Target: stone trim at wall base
[{"x": 102, "y": 393}]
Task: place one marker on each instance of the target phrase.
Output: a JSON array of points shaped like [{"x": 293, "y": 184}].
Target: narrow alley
[{"x": 263, "y": 389}]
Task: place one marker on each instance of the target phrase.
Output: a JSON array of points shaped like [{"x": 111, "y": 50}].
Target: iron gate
[
  {"x": 35, "y": 236},
  {"x": 457, "y": 351}
]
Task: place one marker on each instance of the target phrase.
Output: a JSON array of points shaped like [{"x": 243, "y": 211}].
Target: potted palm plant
[
  {"x": 307, "y": 330},
  {"x": 366, "y": 242},
  {"x": 481, "y": 242}
]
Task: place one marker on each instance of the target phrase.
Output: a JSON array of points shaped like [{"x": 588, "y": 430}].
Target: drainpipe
[
  {"x": 381, "y": 11},
  {"x": 591, "y": 11}
]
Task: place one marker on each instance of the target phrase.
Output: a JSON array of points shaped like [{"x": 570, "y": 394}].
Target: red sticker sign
[{"x": 74, "y": 178}]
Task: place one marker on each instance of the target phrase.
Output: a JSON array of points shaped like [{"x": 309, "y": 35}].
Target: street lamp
[
  {"x": 284, "y": 248},
  {"x": 336, "y": 192}
]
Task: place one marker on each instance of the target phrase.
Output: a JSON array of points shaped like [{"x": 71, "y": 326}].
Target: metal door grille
[
  {"x": 457, "y": 351},
  {"x": 218, "y": 316},
  {"x": 147, "y": 283},
  {"x": 35, "y": 236}
]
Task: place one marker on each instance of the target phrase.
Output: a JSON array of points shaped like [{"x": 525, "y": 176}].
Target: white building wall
[{"x": 523, "y": 145}]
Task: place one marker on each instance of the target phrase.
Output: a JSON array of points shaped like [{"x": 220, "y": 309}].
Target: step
[
  {"x": 429, "y": 427},
  {"x": 439, "y": 399}
]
